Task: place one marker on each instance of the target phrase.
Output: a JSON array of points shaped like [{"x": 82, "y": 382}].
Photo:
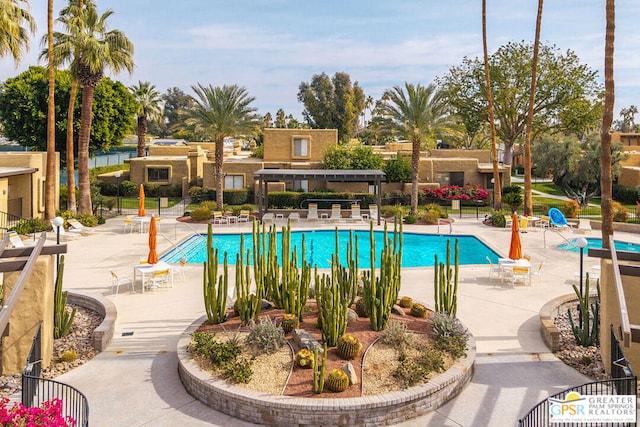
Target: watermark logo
[{"x": 576, "y": 408}]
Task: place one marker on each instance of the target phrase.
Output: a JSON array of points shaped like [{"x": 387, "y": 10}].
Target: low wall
[
  {"x": 548, "y": 313},
  {"x": 103, "y": 334},
  {"x": 260, "y": 408}
]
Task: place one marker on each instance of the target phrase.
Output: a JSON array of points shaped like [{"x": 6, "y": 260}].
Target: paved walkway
[{"x": 135, "y": 381}]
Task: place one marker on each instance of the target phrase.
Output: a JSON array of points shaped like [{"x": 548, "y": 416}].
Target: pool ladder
[{"x": 445, "y": 222}]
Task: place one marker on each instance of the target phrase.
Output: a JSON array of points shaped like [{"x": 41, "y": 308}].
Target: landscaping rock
[
  {"x": 351, "y": 373},
  {"x": 303, "y": 339},
  {"x": 396, "y": 309},
  {"x": 352, "y": 316}
]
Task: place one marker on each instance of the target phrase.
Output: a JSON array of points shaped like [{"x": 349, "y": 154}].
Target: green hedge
[{"x": 292, "y": 199}]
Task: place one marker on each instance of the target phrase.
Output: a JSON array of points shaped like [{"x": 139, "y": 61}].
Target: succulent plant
[
  {"x": 289, "y": 322},
  {"x": 419, "y": 310},
  {"x": 69, "y": 356},
  {"x": 349, "y": 347},
  {"x": 337, "y": 380},
  {"x": 304, "y": 359},
  {"x": 406, "y": 302},
  {"x": 361, "y": 308}
]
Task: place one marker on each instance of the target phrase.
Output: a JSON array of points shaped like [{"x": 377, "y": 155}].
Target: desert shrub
[
  {"x": 236, "y": 196},
  {"x": 497, "y": 218},
  {"x": 625, "y": 194},
  {"x": 620, "y": 213},
  {"x": 265, "y": 337},
  {"x": 450, "y": 335},
  {"x": 392, "y": 211},
  {"x": 108, "y": 189},
  {"x": 431, "y": 360},
  {"x": 238, "y": 371},
  {"x": 87, "y": 219},
  {"x": 410, "y": 219},
  {"x": 31, "y": 225},
  {"x": 409, "y": 373},
  {"x": 201, "y": 213},
  {"x": 430, "y": 217},
  {"x": 152, "y": 190},
  {"x": 128, "y": 188},
  {"x": 210, "y": 204},
  {"x": 570, "y": 208},
  {"x": 258, "y": 152},
  {"x": 396, "y": 335},
  {"x": 110, "y": 203}
]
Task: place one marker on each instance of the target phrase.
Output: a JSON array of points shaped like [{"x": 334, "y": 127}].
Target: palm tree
[
  {"x": 50, "y": 173},
  {"x": 92, "y": 49},
  {"x": 421, "y": 115},
  {"x": 219, "y": 112},
  {"x": 606, "y": 189},
  {"x": 497, "y": 189},
  {"x": 149, "y": 108},
  {"x": 16, "y": 23},
  {"x": 532, "y": 97}
]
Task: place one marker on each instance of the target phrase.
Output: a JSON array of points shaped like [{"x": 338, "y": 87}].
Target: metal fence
[
  {"x": 623, "y": 382},
  {"x": 158, "y": 206},
  {"x": 36, "y": 390}
]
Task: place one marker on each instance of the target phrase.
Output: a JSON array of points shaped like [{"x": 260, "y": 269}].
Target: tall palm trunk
[
  {"x": 84, "y": 205},
  {"x": 607, "y": 118},
  {"x": 142, "y": 134},
  {"x": 219, "y": 175},
  {"x": 497, "y": 188},
  {"x": 528, "y": 203},
  {"x": 415, "y": 172},
  {"x": 71, "y": 178},
  {"x": 50, "y": 187}
]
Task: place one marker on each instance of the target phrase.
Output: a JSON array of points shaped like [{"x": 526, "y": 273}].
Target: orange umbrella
[
  {"x": 515, "y": 249},
  {"x": 153, "y": 255},
  {"x": 141, "y": 211}
]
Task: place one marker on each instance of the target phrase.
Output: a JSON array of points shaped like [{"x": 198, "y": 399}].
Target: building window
[
  {"x": 158, "y": 175},
  {"x": 232, "y": 182},
  {"x": 456, "y": 178},
  {"x": 300, "y": 185},
  {"x": 300, "y": 147}
]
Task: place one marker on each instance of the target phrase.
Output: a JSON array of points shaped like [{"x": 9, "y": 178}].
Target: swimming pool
[
  {"x": 597, "y": 244},
  {"x": 418, "y": 250}
]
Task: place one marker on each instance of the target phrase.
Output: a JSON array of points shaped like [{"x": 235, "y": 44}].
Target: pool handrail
[{"x": 544, "y": 237}]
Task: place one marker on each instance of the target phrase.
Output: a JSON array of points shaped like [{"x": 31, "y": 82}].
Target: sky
[{"x": 271, "y": 46}]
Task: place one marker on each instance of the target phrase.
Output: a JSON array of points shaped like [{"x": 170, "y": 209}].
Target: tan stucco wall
[
  {"x": 610, "y": 313},
  {"x": 4, "y": 191},
  {"x": 30, "y": 187},
  {"x": 168, "y": 150},
  {"x": 483, "y": 156},
  {"x": 278, "y": 143},
  {"x": 35, "y": 304},
  {"x": 179, "y": 167},
  {"x": 629, "y": 176}
]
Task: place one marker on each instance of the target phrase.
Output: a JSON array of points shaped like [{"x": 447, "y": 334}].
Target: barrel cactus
[
  {"x": 406, "y": 302},
  {"x": 337, "y": 380},
  {"x": 289, "y": 322},
  {"x": 419, "y": 310},
  {"x": 304, "y": 359},
  {"x": 361, "y": 308},
  {"x": 349, "y": 347}
]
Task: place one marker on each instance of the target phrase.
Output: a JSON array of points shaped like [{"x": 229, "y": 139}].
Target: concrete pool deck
[{"x": 135, "y": 382}]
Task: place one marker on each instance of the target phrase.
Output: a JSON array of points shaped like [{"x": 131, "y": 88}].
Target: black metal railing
[
  {"x": 158, "y": 206},
  {"x": 36, "y": 389},
  {"x": 623, "y": 382},
  {"x": 8, "y": 221}
]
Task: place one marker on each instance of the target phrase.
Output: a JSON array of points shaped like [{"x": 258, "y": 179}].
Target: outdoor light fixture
[
  {"x": 582, "y": 243},
  {"x": 58, "y": 222},
  {"x": 118, "y": 174}
]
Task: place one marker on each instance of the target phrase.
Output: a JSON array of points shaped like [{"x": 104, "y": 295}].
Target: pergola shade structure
[{"x": 264, "y": 176}]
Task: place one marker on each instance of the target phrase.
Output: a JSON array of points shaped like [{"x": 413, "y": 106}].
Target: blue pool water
[
  {"x": 417, "y": 250},
  {"x": 597, "y": 244}
]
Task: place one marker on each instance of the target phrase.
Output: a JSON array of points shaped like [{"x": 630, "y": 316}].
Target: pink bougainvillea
[
  {"x": 49, "y": 414},
  {"x": 454, "y": 192}
]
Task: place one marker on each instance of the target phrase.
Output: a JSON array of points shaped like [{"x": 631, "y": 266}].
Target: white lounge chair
[
  {"x": 373, "y": 213},
  {"x": 63, "y": 234},
  {"x": 15, "y": 239},
  {"x": 584, "y": 226},
  {"x": 312, "y": 215},
  {"x": 336, "y": 213},
  {"x": 76, "y": 226},
  {"x": 268, "y": 217},
  {"x": 355, "y": 213},
  {"x": 294, "y": 216}
]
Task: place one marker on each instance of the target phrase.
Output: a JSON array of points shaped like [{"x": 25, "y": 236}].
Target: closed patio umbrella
[
  {"x": 153, "y": 254},
  {"x": 515, "y": 249},
  {"x": 141, "y": 211}
]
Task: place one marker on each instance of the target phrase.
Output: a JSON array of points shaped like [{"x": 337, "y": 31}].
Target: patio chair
[
  {"x": 244, "y": 216},
  {"x": 508, "y": 221},
  {"x": 158, "y": 279},
  {"x": 76, "y": 226},
  {"x": 15, "y": 239},
  {"x": 373, "y": 213},
  {"x": 494, "y": 269},
  {"x": 294, "y": 216},
  {"x": 312, "y": 215},
  {"x": 218, "y": 218},
  {"x": 355, "y": 213},
  {"x": 63, "y": 234},
  {"x": 584, "y": 226},
  {"x": 543, "y": 222},
  {"x": 179, "y": 267},
  {"x": 128, "y": 225},
  {"x": 557, "y": 219},
  {"x": 268, "y": 217},
  {"x": 117, "y": 281},
  {"x": 336, "y": 213}
]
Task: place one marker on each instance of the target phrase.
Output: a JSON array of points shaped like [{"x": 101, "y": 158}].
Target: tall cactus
[
  {"x": 248, "y": 304},
  {"x": 214, "y": 287},
  {"x": 348, "y": 275},
  {"x": 318, "y": 375},
  {"x": 62, "y": 318},
  {"x": 589, "y": 333},
  {"x": 381, "y": 292},
  {"x": 332, "y": 307},
  {"x": 445, "y": 292}
]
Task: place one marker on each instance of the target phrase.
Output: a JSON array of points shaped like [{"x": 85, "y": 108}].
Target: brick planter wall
[{"x": 384, "y": 409}]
